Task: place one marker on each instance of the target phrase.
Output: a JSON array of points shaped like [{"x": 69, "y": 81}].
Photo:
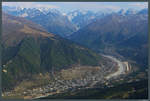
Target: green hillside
[{"x": 37, "y": 52}]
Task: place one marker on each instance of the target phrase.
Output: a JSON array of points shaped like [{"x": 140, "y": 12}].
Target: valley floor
[{"x": 94, "y": 76}]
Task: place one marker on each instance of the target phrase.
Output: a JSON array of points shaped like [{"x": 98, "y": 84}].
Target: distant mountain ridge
[
  {"x": 59, "y": 23},
  {"x": 83, "y": 18},
  {"x": 51, "y": 19}
]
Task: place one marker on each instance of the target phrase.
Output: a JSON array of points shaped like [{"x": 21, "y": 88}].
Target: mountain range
[
  {"x": 51, "y": 20},
  {"x": 63, "y": 24},
  {"x": 127, "y": 34}
]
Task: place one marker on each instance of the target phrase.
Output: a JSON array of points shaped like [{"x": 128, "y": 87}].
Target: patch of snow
[{"x": 24, "y": 15}]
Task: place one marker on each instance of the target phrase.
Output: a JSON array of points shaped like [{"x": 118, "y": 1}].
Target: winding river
[{"x": 120, "y": 70}]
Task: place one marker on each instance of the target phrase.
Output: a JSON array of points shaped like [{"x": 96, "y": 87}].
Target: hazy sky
[{"x": 69, "y": 6}]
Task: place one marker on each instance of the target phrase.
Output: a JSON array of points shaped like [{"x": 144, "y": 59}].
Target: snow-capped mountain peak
[
  {"x": 131, "y": 11},
  {"x": 122, "y": 12}
]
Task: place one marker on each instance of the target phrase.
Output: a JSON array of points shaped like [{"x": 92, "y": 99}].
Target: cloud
[
  {"x": 69, "y": 6},
  {"x": 139, "y": 5},
  {"x": 94, "y": 5},
  {"x": 28, "y": 5}
]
